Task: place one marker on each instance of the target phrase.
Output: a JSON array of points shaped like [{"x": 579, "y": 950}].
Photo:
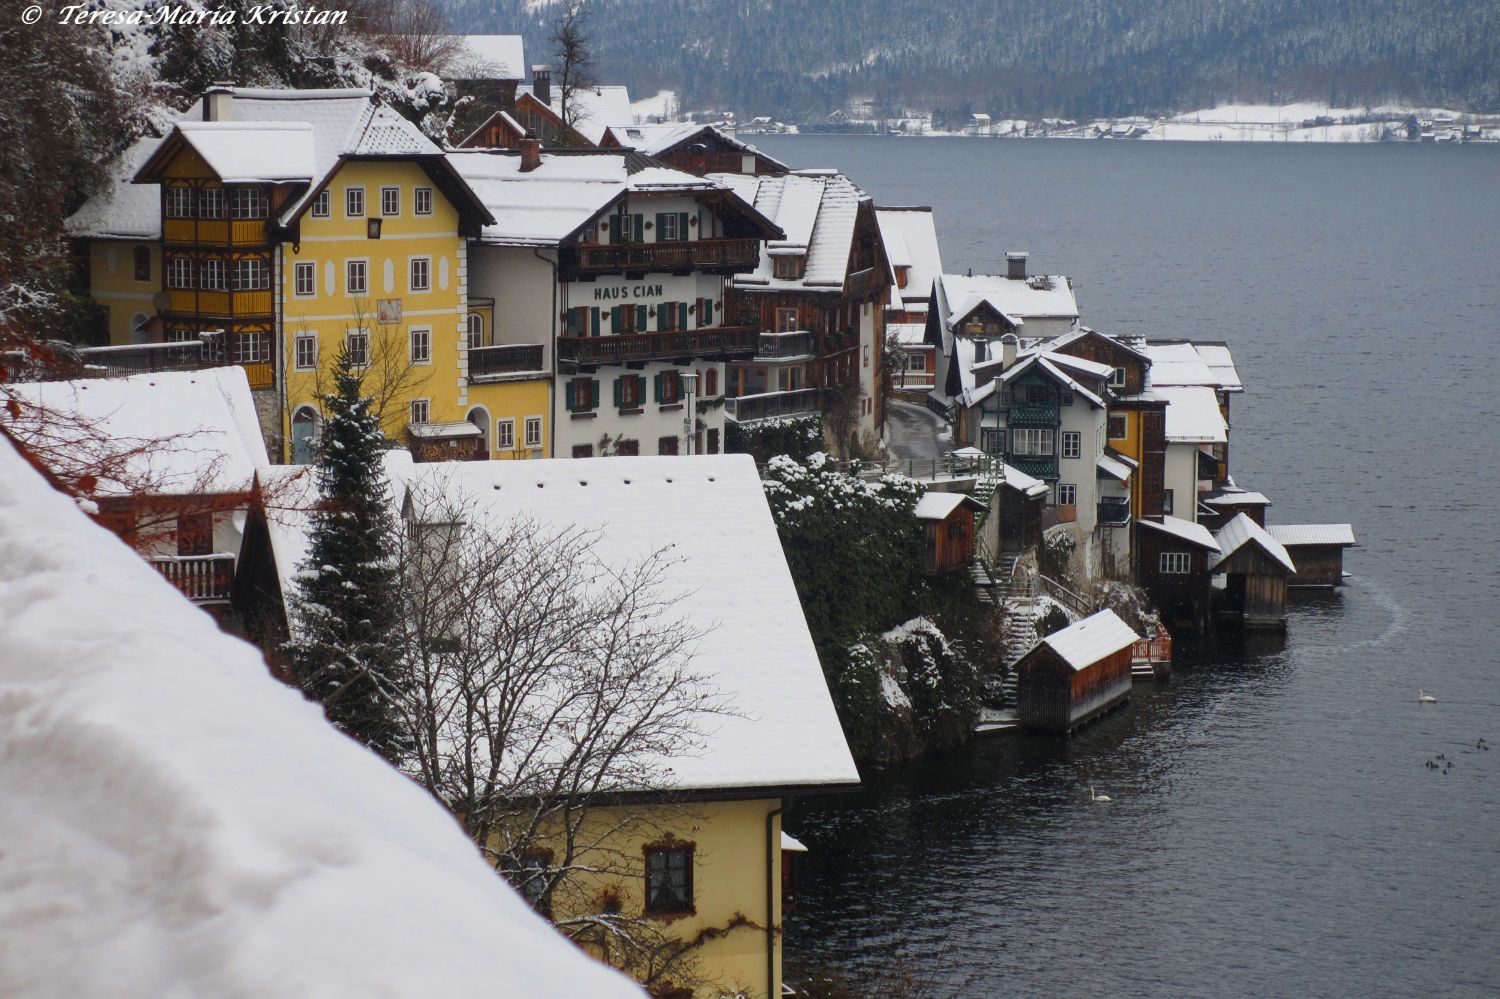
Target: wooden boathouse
[
  {"x": 947, "y": 530},
  {"x": 1075, "y": 674},
  {"x": 1255, "y": 567},
  {"x": 1318, "y": 551}
]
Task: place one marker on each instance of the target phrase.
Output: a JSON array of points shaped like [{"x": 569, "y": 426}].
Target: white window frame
[
  {"x": 420, "y": 197},
  {"x": 1176, "y": 563},
  {"x": 420, "y": 411},
  {"x": 1038, "y": 442},
  {"x": 474, "y": 330},
  {"x": 249, "y": 203},
  {"x": 668, "y": 221},
  {"x": 364, "y": 276},
  {"x": 533, "y": 431},
  {"x": 308, "y": 269},
  {"x": 322, "y": 206},
  {"x": 387, "y": 194},
  {"x": 305, "y": 359},
  {"x": 1072, "y": 444},
  {"x": 353, "y": 195},
  {"x": 180, "y": 273},
  {"x": 358, "y": 338},
  {"x": 211, "y": 196},
  {"x": 1072, "y": 493},
  {"x": 411, "y": 274},
  {"x": 420, "y": 336},
  {"x": 213, "y": 274},
  {"x": 179, "y": 202},
  {"x": 1116, "y": 377},
  {"x": 505, "y": 435},
  {"x": 251, "y": 274}
]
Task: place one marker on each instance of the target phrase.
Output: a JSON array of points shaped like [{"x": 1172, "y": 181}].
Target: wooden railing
[
  {"x": 765, "y": 405},
  {"x": 136, "y": 358},
  {"x": 201, "y": 578},
  {"x": 1031, "y": 413},
  {"x": 1075, "y": 602},
  {"x": 656, "y": 346},
  {"x": 504, "y": 359},
  {"x": 774, "y": 346},
  {"x": 1037, "y": 466},
  {"x": 865, "y": 282},
  {"x": 688, "y": 254},
  {"x": 189, "y": 301}
]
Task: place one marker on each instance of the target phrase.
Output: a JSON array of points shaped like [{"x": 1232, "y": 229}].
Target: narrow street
[{"x": 911, "y": 433}]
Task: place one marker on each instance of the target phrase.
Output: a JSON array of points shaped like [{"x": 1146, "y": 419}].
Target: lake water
[{"x": 1275, "y": 831}]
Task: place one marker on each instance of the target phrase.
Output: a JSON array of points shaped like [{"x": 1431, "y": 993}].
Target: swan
[
  {"x": 1425, "y": 698},
  {"x": 1098, "y": 797}
]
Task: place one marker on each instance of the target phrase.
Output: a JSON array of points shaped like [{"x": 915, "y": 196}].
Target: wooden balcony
[
  {"x": 1037, "y": 466},
  {"x": 189, "y": 355},
  {"x": 190, "y": 301},
  {"x": 1032, "y": 414},
  {"x": 1114, "y": 513},
  {"x": 493, "y": 364},
  {"x": 769, "y": 405},
  {"x": 215, "y": 232},
  {"x": 783, "y": 346},
  {"x": 714, "y": 340},
  {"x": 866, "y": 282},
  {"x": 695, "y": 254},
  {"x": 203, "y": 579}
]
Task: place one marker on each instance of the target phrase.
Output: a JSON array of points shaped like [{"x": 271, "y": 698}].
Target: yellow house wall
[
  {"x": 514, "y": 401},
  {"x": 729, "y": 882},
  {"x": 1130, "y": 446},
  {"x": 113, "y": 285}
]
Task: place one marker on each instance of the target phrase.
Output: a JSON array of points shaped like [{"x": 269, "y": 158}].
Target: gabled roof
[
  {"x": 1086, "y": 332},
  {"x": 1038, "y": 297},
  {"x": 1242, "y": 531},
  {"x": 939, "y": 505},
  {"x": 123, "y": 209},
  {"x": 1296, "y": 535},
  {"x": 910, "y": 237},
  {"x": 597, "y": 107},
  {"x": 818, "y": 211},
  {"x": 1096, "y": 637},
  {"x": 211, "y": 784},
  {"x": 1181, "y": 362},
  {"x": 501, "y": 57},
  {"x": 249, "y": 152},
  {"x": 1184, "y": 530},
  {"x": 1054, "y": 366},
  {"x": 1193, "y": 414},
  {"x": 204, "y": 422},
  {"x": 659, "y": 140}
]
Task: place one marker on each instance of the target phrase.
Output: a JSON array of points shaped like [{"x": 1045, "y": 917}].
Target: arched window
[
  {"x": 306, "y": 426},
  {"x": 140, "y": 328},
  {"x": 711, "y": 384},
  {"x": 143, "y": 263},
  {"x": 481, "y": 419},
  {"x": 476, "y": 330}
]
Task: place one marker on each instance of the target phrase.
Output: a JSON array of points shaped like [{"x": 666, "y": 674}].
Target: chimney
[
  {"x": 218, "y": 102},
  {"x": 1015, "y": 265},
  {"x": 1008, "y": 344},
  {"x": 541, "y": 84},
  {"x": 531, "y": 153}
]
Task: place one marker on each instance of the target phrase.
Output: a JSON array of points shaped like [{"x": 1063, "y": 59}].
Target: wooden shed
[
  {"x": 1075, "y": 674},
  {"x": 1022, "y": 500},
  {"x": 1317, "y": 549},
  {"x": 1229, "y": 503},
  {"x": 1172, "y": 559},
  {"x": 948, "y": 530},
  {"x": 1255, "y": 567},
  {"x": 461, "y": 441}
]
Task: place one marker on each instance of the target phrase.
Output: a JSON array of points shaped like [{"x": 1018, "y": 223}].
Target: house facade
[{"x": 911, "y": 246}]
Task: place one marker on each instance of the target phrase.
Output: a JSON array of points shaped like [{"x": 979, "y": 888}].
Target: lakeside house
[
  {"x": 698, "y": 149},
  {"x": 1317, "y": 550},
  {"x": 1075, "y": 674},
  {"x": 911, "y": 246},
  {"x": 1255, "y": 568},
  {"x": 1173, "y": 565}
]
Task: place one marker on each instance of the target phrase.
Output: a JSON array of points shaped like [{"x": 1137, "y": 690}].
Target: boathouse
[
  {"x": 1317, "y": 550},
  {"x": 947, "y": 530},
  {"x": 1255, "y": 567},
  {"x": 1075, "y": 674},
  {"x": 1172, "y": 567}
]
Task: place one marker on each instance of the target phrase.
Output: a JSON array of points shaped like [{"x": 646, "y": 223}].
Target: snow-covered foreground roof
[
  {"x": 910, "y": 238},
  {"x": 1193, "y": 414},
  {"x": 1242, "y": 531},
  {"x": 1095, "y": 637},
  {"x": 1185, "y": 530},
  {"x": 253, "y": 152},
  {"x": 178, "y": 431},
  {"x": 1184, "y": 363},
  {"x": 937, "y": 505},
  {"x": 1313, "y": 534},
  {"x": 178, "y": 823}
]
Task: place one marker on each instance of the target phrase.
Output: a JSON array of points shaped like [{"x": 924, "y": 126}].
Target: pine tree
[{"x": 342, "y": 650}]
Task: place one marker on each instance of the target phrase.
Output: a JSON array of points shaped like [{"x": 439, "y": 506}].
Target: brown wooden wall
[
  {"x": 1317, "y": 565},
  {"x": 950, "y": 542},
  {"x": 1053, "y": 696},
  {"x": 1183, "y": 599}
]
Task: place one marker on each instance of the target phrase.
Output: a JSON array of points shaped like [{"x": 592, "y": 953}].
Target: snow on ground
[
  {"x": 177, "y": 823},
  {"x": 661, "y": 107}
]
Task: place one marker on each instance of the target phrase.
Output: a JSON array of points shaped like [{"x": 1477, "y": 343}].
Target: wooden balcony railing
[
  {"x": 217, "y": 232},
  {"x": 1037, "y": 466},
  {"x": 1033, "y": 413},
  {"x": 220, "y": 303},
  {"x": 736, "y": 254},
  {"x": 202, "y": 579},
  {"x": 1114, "y": 514},
  {"x": 494, "y": 363},
  {"x": 766, "y": 405},
  {"x": 736, "y": 340},
  {"x": 866, "y": 282},
  {"x": 137, "y": 358},
  {"x": 777, "y": 346}
]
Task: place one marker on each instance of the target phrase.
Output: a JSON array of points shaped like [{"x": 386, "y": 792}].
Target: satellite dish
[{"x": 161, "y": 301}]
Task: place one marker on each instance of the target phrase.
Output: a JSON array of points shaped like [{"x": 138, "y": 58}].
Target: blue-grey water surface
[{"x": 1275, "y": 832}]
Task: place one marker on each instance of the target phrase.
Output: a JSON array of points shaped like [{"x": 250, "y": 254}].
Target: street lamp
[{"x": 690, "y": 407}]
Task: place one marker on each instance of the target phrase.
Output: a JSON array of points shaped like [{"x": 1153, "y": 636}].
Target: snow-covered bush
[{"x": 797, "y": 437}]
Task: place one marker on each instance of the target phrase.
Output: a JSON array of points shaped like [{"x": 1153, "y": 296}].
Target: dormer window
[
  {"x": 901, "y": 275},
  {"x": 1116, "y": 377},
  {"x": 788, "y": 268}
]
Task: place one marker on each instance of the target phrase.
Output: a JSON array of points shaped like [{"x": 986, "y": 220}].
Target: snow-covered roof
[
  {"x": 791, "y": 844},
  {"x": 1114, "y": 468},
  {"x": 597, "y": 108},
  {"x": 1184, "y": 363},
  {"x": 817, "y": 209},
  {"x": 908, "y": 334},
  {"x": 445, "y": 431},
  {"x": 1041, "y": 296},
  {"x": 910, "y": 237},
  {"x": 1236, "y": 498},
  {"x": 1096, "y": 637},
  {"x": 1243, "y": 531},
  {"x": 938, "y": 505},
  {"x": 1193, "y": 414},
  {"x": 1027, "y": 484},
  {"x": 1057, "y": 343},
  {"x": 177, "y": 822},
  {"x": 253, "y": 152},
  {"x": 122, "y": 209},
  {"x": 498, "y": 57},
  {"x": 178, "y": 431},
  {"x": 1295, "y": 535},
  {"x": 1185, "y": 530},
  {"x": 1054, "y": 365},
  {"x": 656, "y": 139}
]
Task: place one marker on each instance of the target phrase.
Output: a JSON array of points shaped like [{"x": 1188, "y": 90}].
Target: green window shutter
[
  {"x": 708, "y": 312},
  {"x": 640, "y": 318},
  {"x": 659, "y": 396},
  {"x": 682, "y": 315},
  {"x": 661, "y": 225},
  {"x": 594, "y": 393},
  {"x": 620, "y": 391},
  {"x": 614, "y": 319},
  {"x": 572, "y": 397},
  {"x": 682, "y": 226},
  {"x": 594, "y": 320},
  {"x": 639, "y": 220}
]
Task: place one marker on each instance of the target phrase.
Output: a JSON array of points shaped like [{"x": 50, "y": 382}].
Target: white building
[
  {"x": 1198, "y": 380},
  {"x": 911, "y": 245}
]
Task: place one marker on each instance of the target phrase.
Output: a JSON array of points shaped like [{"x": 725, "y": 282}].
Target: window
[
  {"x": 669, "y": 878},
  {"x": 786, "y": 320},
  {"x": 422, "y": 201},
  {"x": 321, "y": 206},
  {"x": 354, "y": 202},
  {"x": 211, "y": 203},
  {"x": 476, "y": 330},
  {"x": 1031, "y": 441},
  {"x": 1116, "y": 377},
  {"x": 1067, "y": 494},
  {"x": 668, "y": 387},
  {"x": 1117, "y": 427},
  {"x": 711, "y": 383},
  {"x": 589, "y": 233},
  {"x": 786, "y": 268},
  {"x": 629, "y": 228},
  {"x": 306, "y": 354},
  {"x": 142, "y": 263},
  {"x": 390, "y": 201},
  {"x": 251, "y": 274},
  {"x": 666, "y": 445},
  {"x": 356, "y": 273},
  {"x": 627, "y": 319},
  {"x": 533, "y": 431},
  {"x": 1176, "y": 562},
  {"x": 211, "y": 274},
  {"x": 421, "y": 346},
  {"x": 628, "y": 391},
  {"x": 505, "y": 435},
  {"x": 671, "y": 316},
  {"x": 179, "y": 202},
  {"x": 666, "y": 227},
  {"x": 179, "y": 272},
  {"x": 582, "y": 394},
  {"x": 992, "y": 440},
  {"x": 1037, "y": 395},
  {"x": 195, "y": 534},
  {"x": 583, "y": 450},
  {"x": 250, "y": 203},
  {"x": 251, "y": 348},
  {"x": 419, "y": 411},
  {"x": 628, "y": 448},
  {"x": 305, "y": 276},
  {"x": 358, "y": 344},
  {"x": 713, "y": 441},
  {"x": 705, "y": 312},
  {"x": 1166, "y": 501},
  {"x": 421, "y": 274},
  {"x": 530, "y": 873},
  {"x": 1072, "y": 444}
]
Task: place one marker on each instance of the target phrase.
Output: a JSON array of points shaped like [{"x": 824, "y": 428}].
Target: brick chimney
[
  {"x": 531, "y": 153},
  {"x": 1015, "y": 265},
  {"x": 218, "y": 102},
  {"x": 541, "y": 84}
]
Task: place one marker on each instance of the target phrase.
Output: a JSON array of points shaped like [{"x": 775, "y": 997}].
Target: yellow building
[{"x": 288, "y": 225}]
